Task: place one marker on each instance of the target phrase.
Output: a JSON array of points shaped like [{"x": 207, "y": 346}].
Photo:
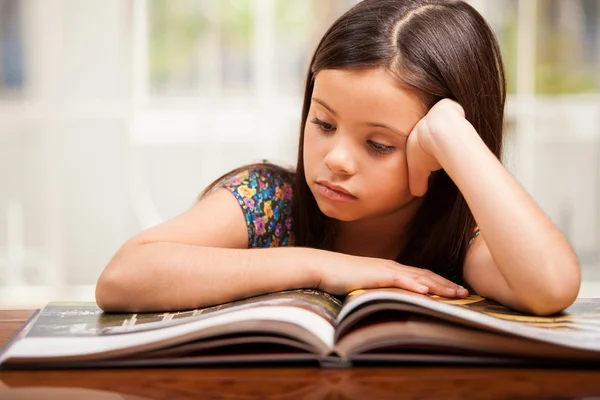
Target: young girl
[{"x": 398, "y": 184}]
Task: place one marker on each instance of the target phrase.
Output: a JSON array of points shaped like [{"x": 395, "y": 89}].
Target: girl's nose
[{"x": 339, "y": 159}]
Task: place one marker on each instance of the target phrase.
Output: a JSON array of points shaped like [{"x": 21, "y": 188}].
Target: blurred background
[{"x": 115, "y": 114}]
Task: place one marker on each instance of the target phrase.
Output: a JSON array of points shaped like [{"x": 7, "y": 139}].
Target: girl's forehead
[{"x": 366, "y": 93}]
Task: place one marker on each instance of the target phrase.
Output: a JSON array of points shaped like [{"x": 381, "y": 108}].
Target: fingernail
[
  {"x": 450, "y": 290},
  {"x": 423, "y": 288}
]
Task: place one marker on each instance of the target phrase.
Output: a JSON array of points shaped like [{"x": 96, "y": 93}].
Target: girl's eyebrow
[
  {"x": 373, "y": 124},
  {"x": 321, "y": 102}
]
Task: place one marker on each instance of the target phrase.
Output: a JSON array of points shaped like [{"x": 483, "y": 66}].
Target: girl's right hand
[{"x": 348, "y": 273}]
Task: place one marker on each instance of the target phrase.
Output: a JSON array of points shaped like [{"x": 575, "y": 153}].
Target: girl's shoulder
[
  {"x": 265, "y": 172},
  {"x": 265, "y": 194}
]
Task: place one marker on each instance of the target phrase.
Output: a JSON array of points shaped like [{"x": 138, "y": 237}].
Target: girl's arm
[
  {"x": 521, "y": 258},
  {"x": 197, "y": 259},
  {"x": 200, "y": 258}
]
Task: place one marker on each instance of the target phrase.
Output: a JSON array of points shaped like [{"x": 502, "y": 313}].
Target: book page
[
  {"x": 577, "y": 327},
  {"x": 413, "y": 332},
  {"x": 87, "y": 319},
  {"x": 295, "y": 322},
  {"x": 583, "y": 315}
]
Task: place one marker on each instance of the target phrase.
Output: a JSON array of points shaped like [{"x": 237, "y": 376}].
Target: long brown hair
[{"x": 441, "y": 49}]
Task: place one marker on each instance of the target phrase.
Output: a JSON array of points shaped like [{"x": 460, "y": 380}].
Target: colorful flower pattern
[
  {"x": 265, "y": 196},
  {"x": 477, "y": 233}
]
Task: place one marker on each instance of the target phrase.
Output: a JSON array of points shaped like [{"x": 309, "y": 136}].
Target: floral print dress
[{"x": 265, "y": 196}]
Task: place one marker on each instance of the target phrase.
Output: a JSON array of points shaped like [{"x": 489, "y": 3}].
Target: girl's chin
[{"x": 337, "y": 213}]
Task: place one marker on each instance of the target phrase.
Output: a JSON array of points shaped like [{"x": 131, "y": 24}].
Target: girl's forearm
[
  {"x": 173, "y": 276},
  {"x": 531, "y": 253}
]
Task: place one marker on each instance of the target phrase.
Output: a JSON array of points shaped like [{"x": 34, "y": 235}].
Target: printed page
[
  {"x": 72, "y": 346},
  {"x": 577, "y": 327},
  {"x": 87, "y": 319}
]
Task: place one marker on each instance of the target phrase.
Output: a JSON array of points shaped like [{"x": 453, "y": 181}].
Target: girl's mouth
[{"x": 333, "y": 194}]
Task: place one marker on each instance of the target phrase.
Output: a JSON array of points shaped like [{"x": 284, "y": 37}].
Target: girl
[{"x": 398, "y": 184}]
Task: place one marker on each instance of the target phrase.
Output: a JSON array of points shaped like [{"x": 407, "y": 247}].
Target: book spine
[{"x": 334, "y": 362}]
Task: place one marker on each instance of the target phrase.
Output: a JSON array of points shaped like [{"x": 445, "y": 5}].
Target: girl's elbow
[
  {"x": 111, "y": 291},
  {"x": 557, "y": 297},
  {"x": 114, "y": 289},
  {"x": 554, "y": 305}
]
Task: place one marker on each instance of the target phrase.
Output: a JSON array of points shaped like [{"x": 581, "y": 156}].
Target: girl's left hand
[{"x": 444, "y": 117}]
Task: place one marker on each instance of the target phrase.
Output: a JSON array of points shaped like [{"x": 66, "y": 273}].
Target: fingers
[
  {"x": 451, "y": 104},
  {"x": 409, "y": 283},
  {"x": 424, "y": 281},
  {"x": 459, "y": 109},
  {"x": 440, "y": 288},
  {"x": 421, "y": 274}
]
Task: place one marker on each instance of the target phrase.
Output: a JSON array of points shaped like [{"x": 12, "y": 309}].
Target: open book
[{"x": 370, "y": 326}]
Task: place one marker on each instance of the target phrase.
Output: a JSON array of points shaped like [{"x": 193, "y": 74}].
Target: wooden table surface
[{"x": 292, "y": 383}]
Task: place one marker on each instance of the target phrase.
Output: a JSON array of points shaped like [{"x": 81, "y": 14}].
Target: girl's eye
[
  {"x": 375, "y": 147},
  {"x": 323, "y": 126},
  {"x": 380, "y": 148}
]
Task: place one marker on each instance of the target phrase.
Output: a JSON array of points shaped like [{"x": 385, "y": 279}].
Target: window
[
  {"x": 12, "y": 74},
  {"x": 233, "y": 48},
  {"x": 176, "y": 33},
  {"x": 503, "y": 18},
  {"x": 567, "y": 47}
]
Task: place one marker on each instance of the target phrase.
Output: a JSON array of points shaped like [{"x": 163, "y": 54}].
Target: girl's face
[{"x": 355, "y": 142}]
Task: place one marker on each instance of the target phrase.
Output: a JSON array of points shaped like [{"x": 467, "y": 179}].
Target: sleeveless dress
[{"x": 265, "y": 196}]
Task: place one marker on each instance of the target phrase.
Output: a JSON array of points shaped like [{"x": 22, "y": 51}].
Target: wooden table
[{"x": 291, "y": 383}]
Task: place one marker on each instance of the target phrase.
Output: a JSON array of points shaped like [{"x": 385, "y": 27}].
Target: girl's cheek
[
  {"x": 311, "y": 140},
  {"x": 311, "y": 147},
  {"x": 395, "y": 173}
]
